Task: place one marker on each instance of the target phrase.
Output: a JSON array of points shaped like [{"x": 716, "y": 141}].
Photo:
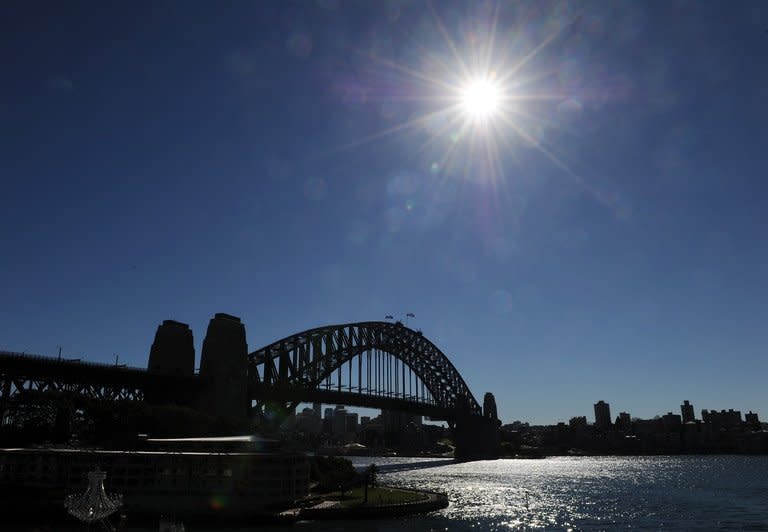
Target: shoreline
[{"x": 328, "y": 509}]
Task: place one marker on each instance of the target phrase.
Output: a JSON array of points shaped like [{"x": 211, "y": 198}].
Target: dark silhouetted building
[
  {"x": 577, "y": 421},
  {"x": 672, "y": 422},
  {"x": 686, "y": 409},
  {"x": 723, "y": 418},
  {"x": 624, "y": 421},
  {"x": 328, "y": 420},
  {"x": 343, "y": 424},
  {"x": 395, "y": 421},
  {"x": 602, "y": 415},
  {"x": 751, "y": 419},
  {"x": 308, "y": 422},
  {"x": 339, "y": 421},
  {"x": 351, "y": 423}
]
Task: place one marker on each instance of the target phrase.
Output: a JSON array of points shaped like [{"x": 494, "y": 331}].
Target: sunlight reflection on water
[{"x": 596, "y": 493}]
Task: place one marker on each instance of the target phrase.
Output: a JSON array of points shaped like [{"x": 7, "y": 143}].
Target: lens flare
[{"x": 217, "y": 502}]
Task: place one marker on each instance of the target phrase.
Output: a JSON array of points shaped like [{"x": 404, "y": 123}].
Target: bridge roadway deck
[
  {"x": 25, "y": 366},
  {"x": 62, "y": 371},
  {"x": 295, "y": 394}
]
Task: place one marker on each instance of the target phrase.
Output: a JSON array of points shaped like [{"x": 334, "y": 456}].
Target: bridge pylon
[
  {"x": 477, "y": 437},
  {"x": 224, "y": 369},
  {"x": 172, "y": 353}
]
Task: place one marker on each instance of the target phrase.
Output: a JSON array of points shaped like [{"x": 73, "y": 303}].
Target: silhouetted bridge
[
  {"x": 372, "y": 364},
  {"x": 369, "y": 364}
]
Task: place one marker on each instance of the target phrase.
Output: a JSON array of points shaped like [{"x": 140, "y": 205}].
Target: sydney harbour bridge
[{"x": 367, "y": 364}]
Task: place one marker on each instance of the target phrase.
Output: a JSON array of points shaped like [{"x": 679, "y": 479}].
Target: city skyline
[{"x": 596, "y": 233}]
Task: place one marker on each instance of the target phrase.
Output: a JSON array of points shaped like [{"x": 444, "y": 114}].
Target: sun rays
[{"x": 475, "y": 96}]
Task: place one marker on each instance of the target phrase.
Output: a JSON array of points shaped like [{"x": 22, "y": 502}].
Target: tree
[
  {"x": 370, "y": 478},
  {"x": 332, "y": 472},
  {"x": 372, "y": 470}
]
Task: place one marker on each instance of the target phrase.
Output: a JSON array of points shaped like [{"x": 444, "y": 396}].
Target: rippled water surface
[{"x": 590, "y": 493}]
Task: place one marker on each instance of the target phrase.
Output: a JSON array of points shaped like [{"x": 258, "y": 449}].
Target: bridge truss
[
  {"x": 33, "y": 379},
  {"x": 374, "y": 364}
]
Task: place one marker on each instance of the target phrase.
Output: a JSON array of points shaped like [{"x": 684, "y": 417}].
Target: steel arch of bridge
[{"x": 300, "y": 363}]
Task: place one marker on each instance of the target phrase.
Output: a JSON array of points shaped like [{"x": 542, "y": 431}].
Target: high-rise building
[
  {"x": 602, "y": 415},
  {"x": 686, "y": 409},
  {"x": 339, "y": 423},
  {"x": 351, "y": 423},
  {"x": 624, "y": 421},
  {"x": 328, "y": 421}
]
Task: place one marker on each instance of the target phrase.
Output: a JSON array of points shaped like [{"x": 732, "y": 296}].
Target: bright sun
[
  {"x": 470, "y": 95},
  {"x": 480, "y": 99}
]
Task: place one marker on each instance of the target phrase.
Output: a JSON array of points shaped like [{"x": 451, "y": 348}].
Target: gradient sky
[{"x": 604, "y": 237}]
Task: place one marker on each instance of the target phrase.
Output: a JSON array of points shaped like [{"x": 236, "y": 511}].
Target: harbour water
[
  {"x": 574, "y": 493},
  {"x": 581, "y": 493},
  {"x": 595, "y": 493}
]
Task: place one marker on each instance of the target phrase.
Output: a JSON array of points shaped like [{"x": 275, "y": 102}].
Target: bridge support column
[
  {"x": 224, "y": 369},
  {"x": 172, "y": 353},
  {"x": 477, "y": 437}
]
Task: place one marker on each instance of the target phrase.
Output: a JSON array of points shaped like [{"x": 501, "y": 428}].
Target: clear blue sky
[{"x": 602, "y": 235}]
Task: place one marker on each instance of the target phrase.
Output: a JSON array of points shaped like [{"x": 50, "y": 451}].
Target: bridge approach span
[{"x": 24, "y": 376}]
